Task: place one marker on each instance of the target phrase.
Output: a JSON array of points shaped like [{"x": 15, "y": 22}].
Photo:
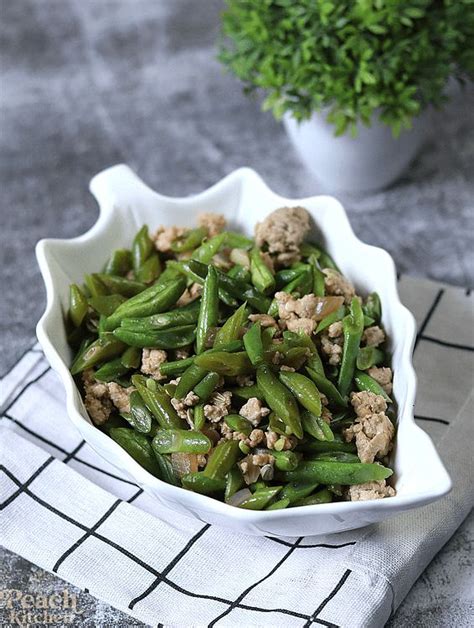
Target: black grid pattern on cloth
[{"x": 25, "y": 488}]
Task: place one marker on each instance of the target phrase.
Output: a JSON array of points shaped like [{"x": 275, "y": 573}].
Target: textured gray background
[{"x": 89, "y": 83}]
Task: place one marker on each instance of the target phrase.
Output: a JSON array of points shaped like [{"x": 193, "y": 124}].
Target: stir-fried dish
[{"x": 246, "y": 369}]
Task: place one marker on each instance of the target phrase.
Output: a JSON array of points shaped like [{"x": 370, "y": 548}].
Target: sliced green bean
[
  {"x": 157, "y": 402},
  {"x": 365, "y": 382},
  {"x": 184, "y": 441},
  {"x": 78, "y": 305},
  {"x": 325, "y": 472},
  {"x": 138, "y": 447},
  {"x": 119, "y": 263},
  {"x": 209, "y": 309}
]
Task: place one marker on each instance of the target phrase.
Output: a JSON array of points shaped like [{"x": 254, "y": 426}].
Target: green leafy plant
[{"x": 355, "y": 58}]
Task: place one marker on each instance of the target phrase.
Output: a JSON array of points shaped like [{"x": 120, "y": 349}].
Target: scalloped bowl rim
[{"x": 253, "y": 522}]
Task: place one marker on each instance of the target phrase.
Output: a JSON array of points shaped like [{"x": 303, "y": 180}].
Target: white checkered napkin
[{"x": 70, "y": 512}]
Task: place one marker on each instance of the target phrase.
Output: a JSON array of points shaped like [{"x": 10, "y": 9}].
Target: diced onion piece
[
  {"x": 327, "y": 305},
  {"x": 240, "y": 256},
  {"x": 184, "y": 463},
  {"x": 239, "y": 497}
]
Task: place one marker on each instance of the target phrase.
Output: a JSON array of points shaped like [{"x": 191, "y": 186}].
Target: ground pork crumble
[
  {"x": 370, "y": 490},
  {"x": 214, "y": 223},
  {"x": 152, "y": 359},
  {"x": 382, "y": 375},
  {"x": 373, "y": 336},
  {"x": 282, "y": 232},
  {"x": 165, "y": 236},
  {"x": 253, "y": 410},
  {"x": 101, "y": 398},
  {"x": 373, "y": 431},
  {"x": 265, "y": 320},
  {"x": 337, "y": 285},
  {"x": 332, "y": 340},
  {"x": 218, "y": 407}
]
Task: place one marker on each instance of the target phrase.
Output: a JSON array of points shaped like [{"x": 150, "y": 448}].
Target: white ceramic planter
[{"x": 369, "y": 162}]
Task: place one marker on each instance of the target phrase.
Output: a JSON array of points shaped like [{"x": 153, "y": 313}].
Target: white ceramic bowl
[{"x": 126, "y": 203}]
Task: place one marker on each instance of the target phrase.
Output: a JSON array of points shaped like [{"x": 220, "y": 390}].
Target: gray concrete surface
[{"x": 89, "y": 83}]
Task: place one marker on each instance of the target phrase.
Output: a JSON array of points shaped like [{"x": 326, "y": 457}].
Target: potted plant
[{"x": 353, "y": 80}]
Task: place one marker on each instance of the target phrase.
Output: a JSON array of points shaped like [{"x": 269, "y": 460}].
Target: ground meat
[
  {"x": 337, "y": 285},
  {"x": 332, "y": 346},
  {"x": 182, "y": 405},
  {"x": 305, "y": 325},
  {"x": 254, "y": 411},
  {"x": 282, "y": 232},
  {"x": 265, "y": 320},
  {"x": 326, "y": 415},
  {"x": 120, "y": 396},
  {"x": 335, "y": 330},
  {"x": 255, "y": 438},
  {"x": 370, "y": 490},
  {"x": 244, "y": 380},
  {"x": 96, "y": 399},
  {"x": 373, "y": 436},
  {"x": 152, "y": 359},
  {"x": 366, "y": 403},
  {"x": 284, "y": 442},
  {"x": 382, "y": 375},
  {"x": 182, "y": 354},
  {"x": 218, "y": 407},
  {"x": 373, "y": 336},
  {"x": 288, "y": 369},
  {"x": 165, "y": 236},
  {"x": 189, "y": 295},
  {"x": 214, "y": 223}
]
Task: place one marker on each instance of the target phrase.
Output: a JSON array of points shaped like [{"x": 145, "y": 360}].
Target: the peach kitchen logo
[{"x": 19, "y": 608}]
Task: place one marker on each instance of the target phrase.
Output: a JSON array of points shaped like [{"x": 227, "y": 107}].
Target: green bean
[
  {"x": 138, "y": 447},
  {"x": 227, "y": 364},
  {"x": 304, "y": 390},
  {"x": 172, "y": 338},
  {"x": 231, "y": 329},
  {"x": 118, "y": 285},
  {"x": 253, "y": 344},
  {"x": 141, "y": 248},
  {"x": 209, "y": 248},
  {"x": 95, "y": 286},
  {"x": 240, "y": 273},
  {"x": 166, "y": 469},
  {"x": 101, "y": 350},
  {"x": 327, "y": 387},
  {"x": 150, "y": 270},
  {"x": 308, "y": 248},
  {"x": 191, "y": 240},
  {"x": 106, "y": 304},
  {"x": 110, "y": 371},
  {"x": 335, "y": 456},
  {"x": 78, "y": 305},
  {"x": 328, "y": 320},
  {"x": 198, "y": 277},
  {"x": 234, "y": 482},
  {"x": 319, "y": 289},
  {"x": 247, "y": 392},
  {"x": 237, "y": 240},
  {"x": 158, "y": 402},
  {"x": 286, "y": 460},
  {"x": 190, "y": 378},
  {"x": 176, "y": 367},
  {"x": 237, "y": 423},
  {"x": 365, "y": 382},
  {"x": 131, "y": 358},
  {"x": 206, "y": 386},
  {"x": 153, "y": 300},
  {"x": 277, "y": 425},
  {"x": 279, "y": 399},
  {"x": 321, "y": 497},
  {"x": 302, "y": 283},
  {"x": 294, "y": 491},
  {"x": 316, "y": 427},
  {"x": 119, "y": 263},
  {"x": 199, "y": 418},
  {"x": 174, "y": 318},
  {"x": 184, "y": 441},
  {"x": 261, "y": 276},
  {"x": 325, "y": 472},
  {"x": 284, "y": 276},
  {"x": 373, "y": 307},
  {"x": 209, "y": 310},
  {"x": 221, "y": 460},
  {"x": 353, "y": 327},
  {"x": 368, "y": 357},
  {"x": 317, "y": 446},
  {"x": 279, "y": 505},
  {"x": 140, "y": 417},
  {"x": 200, "y": 483},
  {"x": 261, "y": 498},
  {"x": 368, "y": 321}
]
